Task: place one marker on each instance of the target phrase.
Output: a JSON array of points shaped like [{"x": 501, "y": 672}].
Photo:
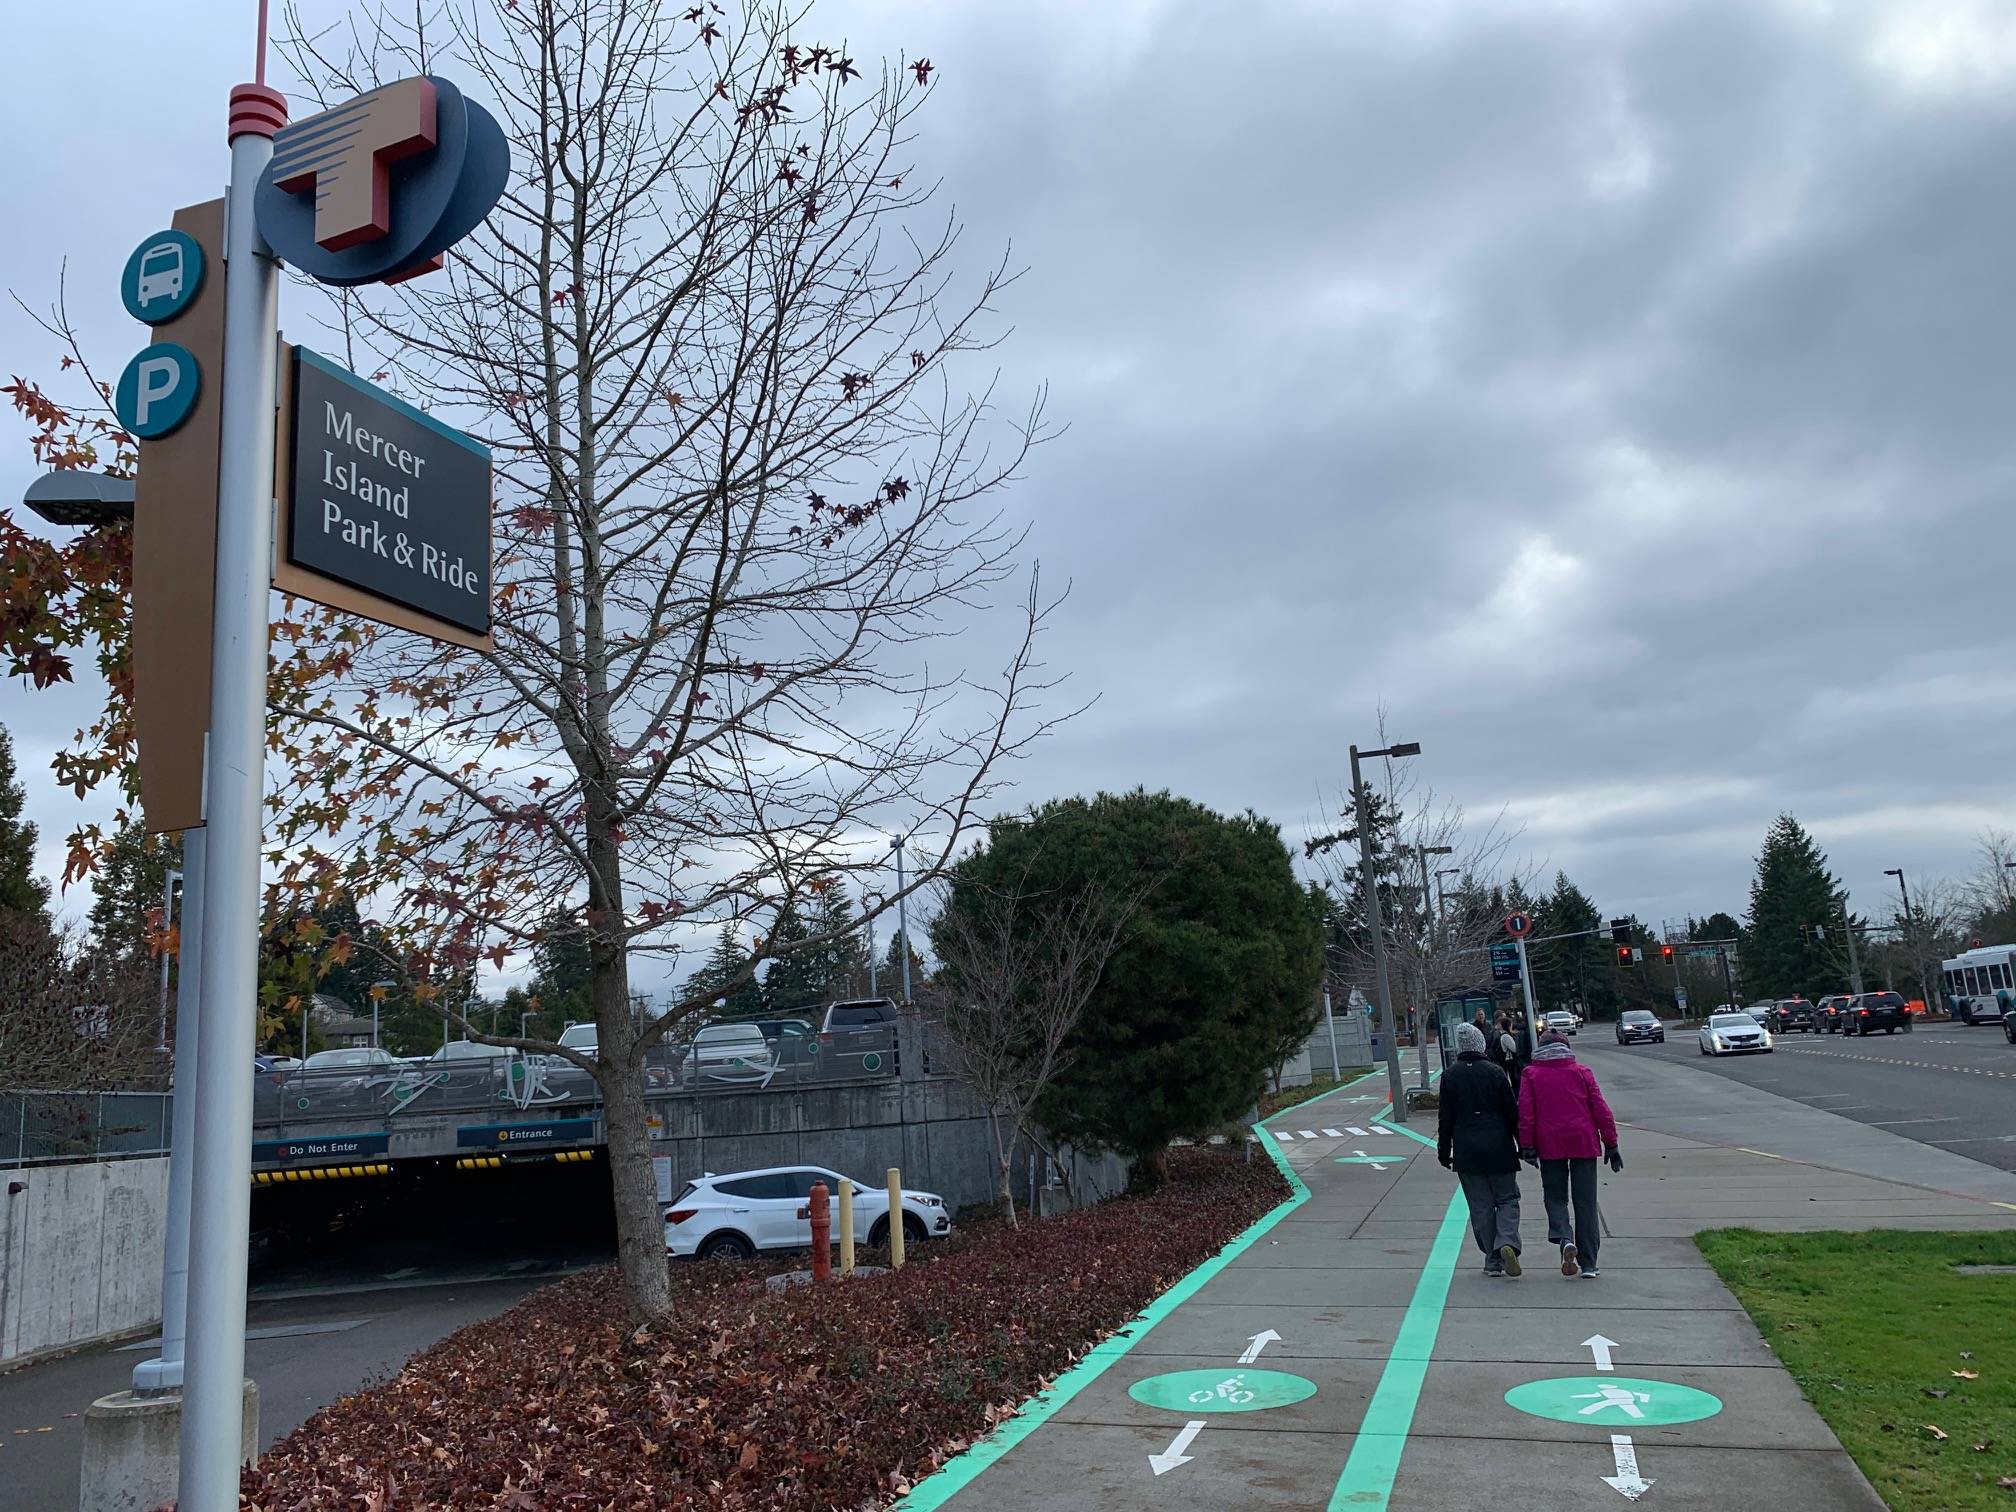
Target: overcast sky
[{"x": 1618, "y": 394}]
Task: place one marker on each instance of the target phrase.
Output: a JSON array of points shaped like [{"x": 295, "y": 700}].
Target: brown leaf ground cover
[{"x": 817, "y": 1398}]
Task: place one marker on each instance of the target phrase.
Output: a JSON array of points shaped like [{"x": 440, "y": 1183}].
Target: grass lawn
[{"x": 1877, "y": 1328}]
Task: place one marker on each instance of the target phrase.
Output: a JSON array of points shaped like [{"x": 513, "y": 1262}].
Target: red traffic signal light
[
  {"x": 1623, "y": 955},
  {"x": 1665, "y": 952}
]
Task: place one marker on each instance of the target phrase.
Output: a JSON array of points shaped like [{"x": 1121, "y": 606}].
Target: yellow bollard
[
  {"x": 895, "y": 1218},
  {"x": 846, "y": 1226}
]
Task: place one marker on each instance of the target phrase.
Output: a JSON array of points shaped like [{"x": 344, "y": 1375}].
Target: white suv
[{"x": 736, "y": 1215}]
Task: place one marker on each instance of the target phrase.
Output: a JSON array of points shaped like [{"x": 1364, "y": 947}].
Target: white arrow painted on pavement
[
  {"x": 1258, "y": 1342},
  {"x": 1173, "y": 1456},
  {"x": 1599, "y": 1346},
  {"x": 1627, "y": 1482},
  {"x": 1371, "y": 1159}
]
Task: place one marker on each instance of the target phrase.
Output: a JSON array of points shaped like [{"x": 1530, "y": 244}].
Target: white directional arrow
[
  {"x": 1258, "y": 1342},
  {"x": 1600, "y": 1347},
  {"x": 1173, "y": 1456},
  {"x": 1369, "y": 1159},
  {"x": 1627, "y": 1482}
]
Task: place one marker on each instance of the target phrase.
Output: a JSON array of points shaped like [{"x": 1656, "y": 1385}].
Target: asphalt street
[{"x": 1943, "y": 1084}]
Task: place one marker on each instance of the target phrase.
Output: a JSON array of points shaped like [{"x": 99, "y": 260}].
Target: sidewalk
[{"x": 1387, "y": 1385}]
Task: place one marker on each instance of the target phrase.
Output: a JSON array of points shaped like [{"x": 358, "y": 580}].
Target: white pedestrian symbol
[{"x": 1607, "y": 1395}]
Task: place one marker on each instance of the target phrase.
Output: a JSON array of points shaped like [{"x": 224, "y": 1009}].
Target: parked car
[
  {"x": 1637, "y": 1024},
  {"x": 581, "y": 1037},
  {"x": 729, "y": 1052},
  {"x": 1794, "y": 1013},
  {"x": 793, "y": 1041},
  {"x": 858, "y": 1027},
  {"x": 1734, "y": 1034},
  {"x": 1876, "y": 1010},
  {"x": 1562, "y": 1020},
  {"x": 358, "y": 1058},
  {"x": 735, "y": 1216}
]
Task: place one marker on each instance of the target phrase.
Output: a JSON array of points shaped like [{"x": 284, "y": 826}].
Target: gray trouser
[
  {"x": 1557, "y": 1179},
  {"x": 1494, "y": 1208}
]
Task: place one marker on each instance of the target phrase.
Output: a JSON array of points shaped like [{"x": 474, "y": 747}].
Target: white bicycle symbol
[{"x": 1229, "y": 1389}]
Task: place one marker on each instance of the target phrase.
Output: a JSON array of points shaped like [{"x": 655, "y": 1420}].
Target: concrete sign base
[{"x": 132, "y": 1446}]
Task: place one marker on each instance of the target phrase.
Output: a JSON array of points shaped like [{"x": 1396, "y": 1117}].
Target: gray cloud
[{"x": 1617, "y": 395}]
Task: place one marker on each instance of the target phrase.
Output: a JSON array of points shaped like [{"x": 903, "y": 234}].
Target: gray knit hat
[{"x": 1469, "y": 1040}]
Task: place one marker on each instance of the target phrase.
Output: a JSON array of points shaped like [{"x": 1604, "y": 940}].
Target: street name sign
[{"x": 387, "y": 499}]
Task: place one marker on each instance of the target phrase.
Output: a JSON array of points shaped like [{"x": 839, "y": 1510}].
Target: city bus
[{"x": 1981, "y": 983}]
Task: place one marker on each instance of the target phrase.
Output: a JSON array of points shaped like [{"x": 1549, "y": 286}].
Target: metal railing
[{"x": 63, "y": 1126}]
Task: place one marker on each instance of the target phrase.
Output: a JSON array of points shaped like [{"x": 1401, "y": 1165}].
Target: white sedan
[
  {"x": 736, "y": 1215},
  {"x": 1734, "y": 1034}
]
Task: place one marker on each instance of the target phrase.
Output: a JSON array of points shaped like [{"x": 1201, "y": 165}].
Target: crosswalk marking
[
  {"x": 1283, "y": 1137},
  {"x": 1332, "y": 1134},
  {"x": 1356, "y": 1130},
  {"x": 1306, "y": 1133}
]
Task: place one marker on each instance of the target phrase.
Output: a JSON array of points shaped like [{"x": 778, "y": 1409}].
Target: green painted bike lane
[{"x": 1377, "y": 1441}]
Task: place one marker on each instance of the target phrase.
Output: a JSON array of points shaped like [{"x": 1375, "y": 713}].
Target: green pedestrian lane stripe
[
  {"x": 1594, "y": 1401},
  {"x": 961, "y": 1471},
  {"x": 1238, "y": 1390}
]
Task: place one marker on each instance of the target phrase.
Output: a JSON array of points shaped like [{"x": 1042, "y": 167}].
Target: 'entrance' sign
[{"x": 386, "y": 498}]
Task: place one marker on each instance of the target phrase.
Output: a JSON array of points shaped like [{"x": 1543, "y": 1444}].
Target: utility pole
[
  {"x": 1911, "y": 934},
  {"x": 1854, "y": 960},
  {"x": 1368, "y": 882}
]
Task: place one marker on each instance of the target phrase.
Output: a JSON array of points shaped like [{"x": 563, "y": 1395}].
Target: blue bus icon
[{"x": 162, "y": 276}]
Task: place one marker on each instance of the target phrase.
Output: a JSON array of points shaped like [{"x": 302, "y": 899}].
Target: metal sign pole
[
  {"x": 164, "y": 1372},
  {"x": 1330, "y": 1022},
  {"x": 1532, "y": 1009},
  {"x": 221, "y": 1195}
]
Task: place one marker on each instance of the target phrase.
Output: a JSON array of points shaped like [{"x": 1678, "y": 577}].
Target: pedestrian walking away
[
  {"x": 1564, "y": 1126},
  {"x": 1501, "y": 1048},
  {"x": 1476, "y": 1136}
]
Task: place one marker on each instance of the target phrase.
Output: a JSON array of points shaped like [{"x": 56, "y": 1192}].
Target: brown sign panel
[{"x": 175, "y": 559}]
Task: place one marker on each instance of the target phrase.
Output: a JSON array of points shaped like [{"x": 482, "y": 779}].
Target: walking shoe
[
  {"x": 1492, "y": 1269},
  {"x": 1590, "y": 1273},
  {"x": 1509, "y": 1258},
  {"x": 1568, "y": 1265}
]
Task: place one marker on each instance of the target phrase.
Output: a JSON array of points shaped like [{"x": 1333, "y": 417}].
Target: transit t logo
[
  {"x": 345, "y": 157},
  {"x": 377, "y": 189}
]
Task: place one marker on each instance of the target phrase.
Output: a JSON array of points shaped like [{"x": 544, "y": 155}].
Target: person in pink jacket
[{"x": 1565, "y": 1124}]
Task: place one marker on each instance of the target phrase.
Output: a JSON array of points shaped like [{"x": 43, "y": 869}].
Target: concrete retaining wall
[
  {"x": 80, "y": 1252},
  {"x": 933, "y": 1130},
  {"x": 1354, "y": 1051}
]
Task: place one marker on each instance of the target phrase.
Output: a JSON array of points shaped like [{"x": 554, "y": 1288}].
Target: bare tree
[
  {"x": 1016, "y": 969},
  {"x": 71, "y": 1019},
  {"x": 710, "y": 337},
  {"x": 1913, "y": 945}
]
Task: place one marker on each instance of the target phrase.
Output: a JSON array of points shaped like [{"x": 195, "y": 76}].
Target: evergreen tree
[
  {"x": 721, "y": 967},
  {"x": 892, "y": 967},
  {"x": 562, "y": 969},
  {"x": 21, "y": 891},
  {"x": 1582, "y": 969},
  {"x": 127, "y": 889},
  {"x": 1793, "y": 892},
  {"x": 1222, "y": 953},
  {"x": 843, "y": 960},
  {"x": 796, "y": 978}
]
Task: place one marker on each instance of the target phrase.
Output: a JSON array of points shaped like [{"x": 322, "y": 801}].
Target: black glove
[
  {"x": 1531, "y": 1157},
  {"x": 1447, "y": 1163},
  {"x": 1616, "y": 1160}
]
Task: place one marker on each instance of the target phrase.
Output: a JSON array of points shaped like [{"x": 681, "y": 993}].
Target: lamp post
[
  {"x": 1421, "y": 855},
  {"x": 378, "y": 991},
  {"x": 1369, "y": 882},
  {"x": 902, "y": 917},
  {"x": 168, "y": 880}
]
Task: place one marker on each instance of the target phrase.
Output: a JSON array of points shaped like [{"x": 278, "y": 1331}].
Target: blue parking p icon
[{"x": 157, "y": 391}]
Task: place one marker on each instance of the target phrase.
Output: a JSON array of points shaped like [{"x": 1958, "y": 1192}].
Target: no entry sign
[
  {"x": 1519, "y": 925},
  {"x": 386, "y": 498}
]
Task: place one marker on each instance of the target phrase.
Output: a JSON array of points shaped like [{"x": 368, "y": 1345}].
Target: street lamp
[
  {"x": 72, "y": 496},
  {"x": 1421, "y": 855},
  {"x": 168, "y": 880},
  {"x": 1369, "y": 881},
  {"x": 902, "y": 916},
  {"x": 378, "y": 991}
]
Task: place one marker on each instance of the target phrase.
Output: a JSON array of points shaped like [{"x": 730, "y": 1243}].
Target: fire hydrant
[{"x": 822, "y": 1234}]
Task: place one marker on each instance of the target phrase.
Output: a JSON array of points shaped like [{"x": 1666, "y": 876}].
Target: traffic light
[
  {"x": 1620, "y": 931},
  {"x": 1665, "y": 952},
  {"x": 1623, "y": 955}
]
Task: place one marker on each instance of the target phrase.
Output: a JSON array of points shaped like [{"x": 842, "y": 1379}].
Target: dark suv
[
  {"x": 1876, "y": 1010},
  {"x": 1828, "y": 1011},
  {"x": 1794, "y": 1013}
]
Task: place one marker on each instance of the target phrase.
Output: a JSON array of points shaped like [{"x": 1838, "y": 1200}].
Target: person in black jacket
[{"x": 1478, "y": 1138}]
